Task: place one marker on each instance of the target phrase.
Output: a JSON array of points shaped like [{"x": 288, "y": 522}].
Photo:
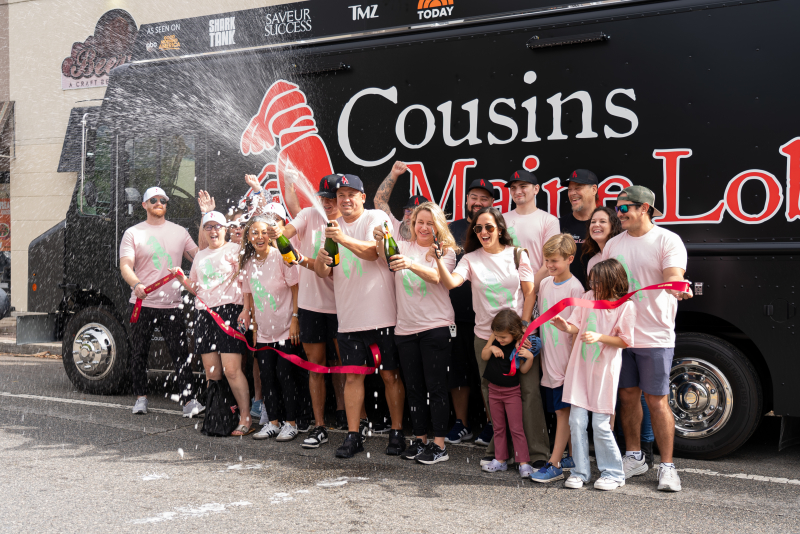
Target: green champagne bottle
[
  {"x": 286, "y": 249},
  {"x": 390, "y": 247},
  {"x": 332, "y": 248}
]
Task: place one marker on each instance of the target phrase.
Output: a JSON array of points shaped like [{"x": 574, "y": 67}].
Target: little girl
[
  {"x": 592, "y": 376},
  {"x": 505, "y": 398}
]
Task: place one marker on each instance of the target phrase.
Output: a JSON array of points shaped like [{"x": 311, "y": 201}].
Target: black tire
[
  {"x": 111, "y": 374},
  {"x": 745, "y": 410}
]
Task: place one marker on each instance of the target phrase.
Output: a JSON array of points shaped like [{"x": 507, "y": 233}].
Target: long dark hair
[
  {"x": 590, "y": 246},
  {"x": 473, "y": 243},
  {"x": 609, "y": 280}
]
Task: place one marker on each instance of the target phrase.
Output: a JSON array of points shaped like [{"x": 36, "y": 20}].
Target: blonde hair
[
  {"x": 562, "y": 244},
  {"x": 446, "y": 239}
]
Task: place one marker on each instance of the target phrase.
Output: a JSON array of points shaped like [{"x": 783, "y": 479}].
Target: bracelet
[
  {"x": 257, "y": 192},
  {"x": 137, "y": 283},
  {"x": 295, "y": 315}
]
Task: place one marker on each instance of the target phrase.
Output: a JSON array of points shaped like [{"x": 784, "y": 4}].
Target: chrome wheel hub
[
  {"x": 700, "y": 397},
  {"x": 94, "y": 351}
]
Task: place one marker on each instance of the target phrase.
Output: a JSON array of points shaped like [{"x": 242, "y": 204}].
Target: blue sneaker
[
  {"x": 567, "y": 463},
  {"x": 256, "y": 407},
  {"x": 548, "y": 473},
  {"x": 458, "y": 433},
  {"x": 486, "y": 435}
]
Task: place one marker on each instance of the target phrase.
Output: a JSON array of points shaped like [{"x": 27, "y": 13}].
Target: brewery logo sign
[{"x": 90, "y": 62}]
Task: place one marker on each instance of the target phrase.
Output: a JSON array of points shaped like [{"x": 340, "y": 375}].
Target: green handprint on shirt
[
  {"x": 591, "y": 326},
  {"x": 260, "y": 295},
  {"x": 632, "y": 282},
  {"x": 411, "y": 281},
  {"x": 494, "y": 290},
  {"x": 547, "y": 329},
  {"x": 210, "y": 275},
  {"x": 513, "y": 233},
  {"x": 159, "y": 254},
  {"x": 350, "y": 262},
  {"x": 317, "y": 237}
]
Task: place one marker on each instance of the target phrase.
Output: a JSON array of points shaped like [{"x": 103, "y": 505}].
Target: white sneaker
[
  {"x": 267, "y": 431},
  {"x": 633, "y": 467},
  {"x": 140, "y": 406},
  {"x": 193, "y": 408},
  {"x": 288, "y": 433},
  {"x": 668, "y": 479},
  {"x": 573, "y": 482},
  {"x": 607, "y": 483}
]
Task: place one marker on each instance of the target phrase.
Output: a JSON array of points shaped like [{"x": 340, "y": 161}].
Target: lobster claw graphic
[{"x": 285, "y": 115}]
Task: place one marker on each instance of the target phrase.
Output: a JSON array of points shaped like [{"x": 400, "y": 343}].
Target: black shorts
[
  {"x": 211, "y": 338},
  {"x": 317, "y": 327},
  {"x": 354, "y": 348}
]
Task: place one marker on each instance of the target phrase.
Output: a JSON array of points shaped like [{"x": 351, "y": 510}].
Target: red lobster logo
[{"x": 285, "y": 114}]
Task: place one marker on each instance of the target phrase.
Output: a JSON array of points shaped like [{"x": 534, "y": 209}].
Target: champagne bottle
[
  {"x": 390, "y": 247},
  {"x": 332, "y": 248},
  {"x": 286, "y": 249}
]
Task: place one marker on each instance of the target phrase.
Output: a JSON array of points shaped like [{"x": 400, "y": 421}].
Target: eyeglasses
[
  {"x": 155, "y": 201},
  {"x": 626, "y": 207},
  {"x": 478, "y": 228},
  {"x": 408, "y": 211},
  {"x": 212, "y": 227}
]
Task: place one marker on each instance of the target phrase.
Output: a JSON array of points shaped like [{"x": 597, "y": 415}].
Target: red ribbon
[{"x": 297, "y": 360}]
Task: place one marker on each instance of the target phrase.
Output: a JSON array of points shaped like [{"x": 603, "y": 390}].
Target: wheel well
[
  {"x": 80, "y": 300},
  {"x": 705, "y": 323}
]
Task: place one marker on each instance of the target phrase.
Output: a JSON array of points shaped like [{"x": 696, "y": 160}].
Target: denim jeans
[{"x": 609, "y": 460}]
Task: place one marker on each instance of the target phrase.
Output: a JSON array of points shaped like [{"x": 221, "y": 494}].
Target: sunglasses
[
  {"x": 212, "y": 227},
  {"x": 626, "y": 207},
  {"x": 155, "y": 201},
  {"x": 478, "y": 228}
]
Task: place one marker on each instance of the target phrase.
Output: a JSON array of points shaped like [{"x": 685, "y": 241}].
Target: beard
[{"x": 405, "y": 231}]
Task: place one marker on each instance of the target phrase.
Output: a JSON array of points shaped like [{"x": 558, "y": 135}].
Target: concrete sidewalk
[{"x": 8, "y": 345}]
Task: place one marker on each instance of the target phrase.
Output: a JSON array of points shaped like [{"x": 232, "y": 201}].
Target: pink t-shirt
[
  {"x": 594, "y": 260},
  {"x": 556, "y": 345},
  {"x": 364, "y": 289},
  {"x": 212, "y": 273},
  {"x": 495, "y": 284},
  {"x": 421, "y": 305},
  {"x": 645, "y": 259},
  {"x": 592, "y": 375},
  {"x": 316, "y": 294},
  {"x": 531, "y": 232},
  {"x": 156, "y": 249},
  {"x": 270, "y": 284}
]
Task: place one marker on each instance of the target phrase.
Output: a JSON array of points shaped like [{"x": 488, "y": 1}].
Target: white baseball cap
[
  {"x": 154, "y": 192},
  {"x": 277, "y": 209},
  {"x": 214, "y": 216}
]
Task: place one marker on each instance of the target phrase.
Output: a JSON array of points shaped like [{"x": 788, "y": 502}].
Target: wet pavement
[{"x": 81, "y": 463}]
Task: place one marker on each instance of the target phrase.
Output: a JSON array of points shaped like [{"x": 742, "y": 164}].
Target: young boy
[{"x": 558, "y": 252}]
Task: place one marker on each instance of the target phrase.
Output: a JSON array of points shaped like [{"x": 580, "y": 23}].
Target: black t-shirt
[
  {"x": 461, "y": 297},
  {"x": 577, "y": 229},
  {"x": 496, "y": 368}
]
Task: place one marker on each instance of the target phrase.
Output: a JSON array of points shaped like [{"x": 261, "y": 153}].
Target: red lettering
[
  {"x": 672, "y": 171},
  {"x": 605, "y": 191},
  {"x": 530, "y": 163},
  {"x": 553, "y": 189},
  {"x": 733, "y": 196},
  {"x": 792, "y": 152},
  {"x": 455, "y": 184}
]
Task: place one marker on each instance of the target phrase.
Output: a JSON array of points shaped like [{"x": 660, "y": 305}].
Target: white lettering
[
  {"x": 623, "y": 113},
  {"x": 586, "y": 116},
  {"x": 530, "y": 105},
  {"x": 400, "y": 126},
  {"x": 502, "y": 120},
  {"x": 472, "y": 136},
  {"x": 344, "y": 125}
]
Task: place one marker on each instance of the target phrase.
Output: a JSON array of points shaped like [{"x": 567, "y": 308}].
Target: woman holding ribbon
[
  {"x": 422, "y": 334},
  {"x": 270, "y": 288},
  {"x": 502, "y": 279},
  {"x": 214, "y": 282}
]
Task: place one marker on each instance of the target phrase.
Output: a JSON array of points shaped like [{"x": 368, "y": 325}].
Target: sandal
[{"x": 242, "y": 430}]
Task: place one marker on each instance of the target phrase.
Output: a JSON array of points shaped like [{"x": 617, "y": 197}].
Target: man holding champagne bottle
[{"x": 361, "y": 326}]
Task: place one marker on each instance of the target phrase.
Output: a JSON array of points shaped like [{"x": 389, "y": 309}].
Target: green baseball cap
[{"x": 640, "y": 195}]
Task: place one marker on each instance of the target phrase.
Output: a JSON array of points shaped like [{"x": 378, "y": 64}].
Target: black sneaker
[
  {"x": 485, "y": 436},
  {"x": 303, "y": 425},
  {"x": 381, "y": 427},
  {"x": 538, "y": 464},
  {"x": 363, "y": 428},
  {"x": 433, "y": 454},
  {"x": 352, "y": 444},
  {"x": 414, "y": 450},
  {"x": 397, "y": 444},
  {"x": 341, "y": 420},
  {"x": 317, "y": 437},
  {"x": 647, "y": 450}
]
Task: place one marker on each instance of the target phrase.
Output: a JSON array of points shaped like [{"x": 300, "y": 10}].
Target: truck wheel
[
  {"x": 95, "y": 352},
  {"x": 715, "y": 396}
]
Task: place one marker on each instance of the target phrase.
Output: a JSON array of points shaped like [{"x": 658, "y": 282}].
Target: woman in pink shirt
[
  {"x": 603, "y": 225},
  {"x": 213, "y": 280},
  {"x": 422, "y": 334}
]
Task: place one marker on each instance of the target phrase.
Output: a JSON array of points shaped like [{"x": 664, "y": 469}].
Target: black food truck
[{"x": 689, "y": 98}]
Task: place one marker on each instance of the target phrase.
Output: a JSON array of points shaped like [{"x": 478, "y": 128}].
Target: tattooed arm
[{"x": 385, "y": 190}]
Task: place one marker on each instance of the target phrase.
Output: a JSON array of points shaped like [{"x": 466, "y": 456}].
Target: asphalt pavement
[{"x": 71, "y": 462}]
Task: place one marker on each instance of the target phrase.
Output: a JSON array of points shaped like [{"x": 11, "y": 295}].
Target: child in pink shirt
[{"x": 592, "y": 376}]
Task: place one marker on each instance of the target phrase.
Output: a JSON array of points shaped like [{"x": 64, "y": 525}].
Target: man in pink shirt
[
  {"x": 650, "y": 255},
  {"x": 146, "y": 254},
  {"x": 529, "y": 226},
  {"x": 365, "y": 306}
]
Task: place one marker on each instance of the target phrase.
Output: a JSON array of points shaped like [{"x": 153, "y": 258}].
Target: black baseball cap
[
  {"x": 349, "y": 180},
  {"x": 480, "y": 183},
  {"x": 582, "y": 176},
  {"x": 416, "y": 200},
  {"x": 522, "y": 176},
  {"x": 327, "y": 186}
]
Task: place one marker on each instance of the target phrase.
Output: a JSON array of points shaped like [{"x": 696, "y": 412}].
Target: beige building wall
[{"x": 40, "y": 36}]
